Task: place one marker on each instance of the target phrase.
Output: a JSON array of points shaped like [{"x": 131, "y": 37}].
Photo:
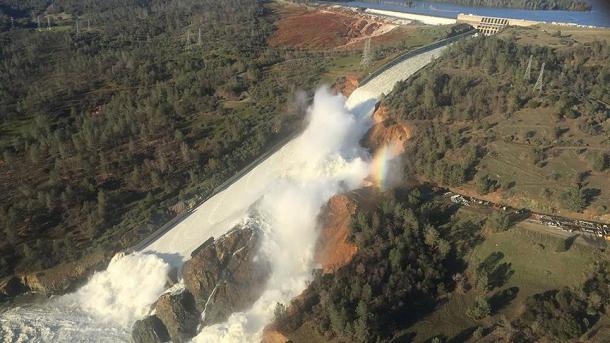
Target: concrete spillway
[
  {"x": 284, "y": 193},
  {"x": 221, "y": 212}
]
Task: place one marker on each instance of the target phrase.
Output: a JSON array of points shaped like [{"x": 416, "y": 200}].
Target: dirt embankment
[
  {"x": 327, "y": 28},
  {"x": 271, "y": 335},
  {"x": 58, "y": 280},
  {"x": 386, "y": 132},
  {"x": 333, "y": 250},
  {"x": 346, "y": 85}
]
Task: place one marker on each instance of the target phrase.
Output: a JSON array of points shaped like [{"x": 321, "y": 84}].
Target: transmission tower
[
  {"x": 528, "y": 70},
  {"x": 366, "y": 53},
  {"x": 538, "y": 85}
]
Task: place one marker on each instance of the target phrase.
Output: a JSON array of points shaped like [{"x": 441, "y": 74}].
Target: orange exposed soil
[
  {"x": 326, "y": 28},
  {"x": 386, "y": 132},
  {"x": 347, "y": 85},
  {"x": 333, "y": 250},
  {"x": 270, "y": 335}
]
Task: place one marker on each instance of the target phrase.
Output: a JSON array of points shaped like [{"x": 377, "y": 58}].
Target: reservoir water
[{"x": 598, "y": 16}]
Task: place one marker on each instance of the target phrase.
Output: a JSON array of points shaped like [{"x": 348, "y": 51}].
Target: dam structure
[
  {"x": 282, "y": 195},
  {"x": 491, "y": 25}
]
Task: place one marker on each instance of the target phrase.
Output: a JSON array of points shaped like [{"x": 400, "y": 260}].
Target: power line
[{"x": 366, "y": 53}]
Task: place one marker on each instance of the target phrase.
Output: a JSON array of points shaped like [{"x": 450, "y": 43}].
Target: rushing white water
[
  {"x": 102, "y": 311},
  {"x": 287, "y": 191}
]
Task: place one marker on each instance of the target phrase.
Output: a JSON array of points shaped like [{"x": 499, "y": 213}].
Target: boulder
[
  {"x": 225, "y": 275},
  {"x": 149, "y": 330},
  {"x": 178, "y": 313},
  {"x": 12, "y": 287}
]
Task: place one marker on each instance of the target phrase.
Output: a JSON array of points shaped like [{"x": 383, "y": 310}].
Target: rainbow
[{"x": 380, "y": 166}]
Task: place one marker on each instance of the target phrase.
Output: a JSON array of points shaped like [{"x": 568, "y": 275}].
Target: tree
[
  {"x": 485, "y": 184},
  {"x": 480, "y": 309},
  {"x": 574, "y": 199},
  {"x": 101, "y": 204},
  {"x": 498, "y": 221},
  {"x": 600, "y": 161},
  {"x": 279, "y": 313}
]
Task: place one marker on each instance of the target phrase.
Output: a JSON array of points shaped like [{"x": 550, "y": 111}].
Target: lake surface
[{"x": 598, "y": 16}]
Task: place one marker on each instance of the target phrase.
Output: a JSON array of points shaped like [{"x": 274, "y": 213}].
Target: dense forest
[
  {"x": 121, "y": 109},
  {"x": 412, "y": 259},
  {"x": 471, "y": 106},
  {"x": 406, "y": 250}
]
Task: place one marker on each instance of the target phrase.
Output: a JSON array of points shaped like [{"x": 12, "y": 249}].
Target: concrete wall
[
  {"x": 491, "y": 25},
  {"x": 426, "y": 19}
]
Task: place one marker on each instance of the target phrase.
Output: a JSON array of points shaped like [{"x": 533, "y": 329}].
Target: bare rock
[
  {"x": 178, "y": 313},
  {"x": 149, "y": 330},
  {"x": 12, "y": 287},
  {"x": 225, "y": 275}
]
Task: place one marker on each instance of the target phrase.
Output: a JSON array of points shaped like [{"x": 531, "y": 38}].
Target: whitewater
[{"x": 285, "y": 192}]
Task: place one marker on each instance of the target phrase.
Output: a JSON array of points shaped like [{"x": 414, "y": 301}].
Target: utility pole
[
  {"x": 77, "y": 28},
  {"x": 38, "y": 22},
  {"x": 199, "y": 38},
  {"x": 48, "y": 24},
  {"x": 538, "y": 85},
  {"x": 528, "y": 70},
  {"x": 12, "y": 23},
  {"x": 188, "y": 40},
  {"x": 366, "y": 53},
  {"x": 88, "y": 25}
]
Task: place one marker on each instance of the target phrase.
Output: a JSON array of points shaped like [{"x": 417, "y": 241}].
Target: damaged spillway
[{"x": 264, "y": 226}]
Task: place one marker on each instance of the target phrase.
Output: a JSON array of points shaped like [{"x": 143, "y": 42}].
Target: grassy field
[
  {"x": 539, "y": 152},
  {"x": 530, "y": 264},
  {"x": 541, "y": 165},
  {"x": 390, "y": 45}
]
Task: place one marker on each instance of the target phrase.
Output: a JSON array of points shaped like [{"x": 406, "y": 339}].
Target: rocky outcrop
[
  {"x": 12, "y": 287},
  {"x": 346, "y": 85},
  {"x": 386, "y": 132},
  {"x": 65, "y": 277},
  {"x": 222, "y": 277},
  {"x": 178, "y": 313},
  {"x": 225, "y": 276},
  {"x": 149, "y": 330}
]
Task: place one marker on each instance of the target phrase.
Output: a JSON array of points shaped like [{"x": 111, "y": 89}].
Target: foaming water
[
  {"x": 328, "y": 161},
  {"x": 124, "y": 291},
  {"x": 102, "y": 311},
  {"x": 286, "y": 192}
]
